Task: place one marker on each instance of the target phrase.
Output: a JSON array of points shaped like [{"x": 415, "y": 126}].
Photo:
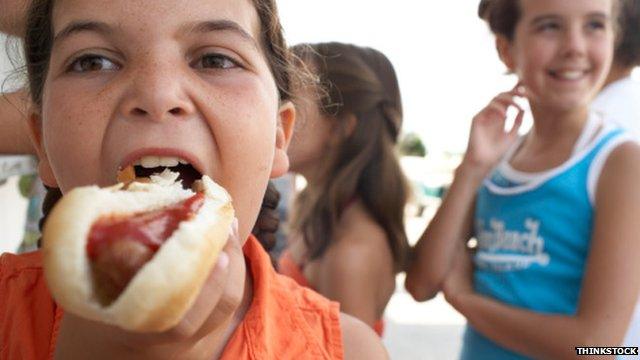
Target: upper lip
[{"x": 131, "y": 158}]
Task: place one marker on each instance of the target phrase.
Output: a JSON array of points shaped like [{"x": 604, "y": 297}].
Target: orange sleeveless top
[
  {"x": 284, "y": 320},
  {"x": 287, "y": 266}
]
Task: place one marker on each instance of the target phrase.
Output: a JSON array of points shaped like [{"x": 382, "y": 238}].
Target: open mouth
[
  {"x": 568, "y": 75},
  {"x": 151, "y": 165}
]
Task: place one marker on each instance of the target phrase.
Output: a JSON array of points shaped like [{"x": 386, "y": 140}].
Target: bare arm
[
  {"x": 13, "y": 14},
  {"x": 452, "y": 224},
  {"x": 359, "y": 341},
  {"x": 14, "y": 128},
  {"x": 610, "y": 286}
]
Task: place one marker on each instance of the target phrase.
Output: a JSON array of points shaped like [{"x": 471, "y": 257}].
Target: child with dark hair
[
  {"x": 554, "y": 212},
  {"x": 347, "y": 238},
  {"x": 113, "y": 82}
]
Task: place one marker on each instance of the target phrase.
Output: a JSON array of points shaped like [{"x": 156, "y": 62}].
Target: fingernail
[
  {"x": 223, "y": 260},
  {"x": 234, "y": 227}
]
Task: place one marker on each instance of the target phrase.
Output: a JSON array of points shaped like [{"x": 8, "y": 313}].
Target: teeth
[
  {"x": 570, "y": 75},
  {"x": 158, "y": 161},
  {"x": 169, "y": 162}
]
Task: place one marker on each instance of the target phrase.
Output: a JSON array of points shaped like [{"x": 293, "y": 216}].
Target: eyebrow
[
  {"x": 80, "y": 26},
  {"x": 546, "y": 17},
  {"x": 197, "y": 27},
  {"x": 204, "y": 27},
  {"x": 538, "y": 19}
]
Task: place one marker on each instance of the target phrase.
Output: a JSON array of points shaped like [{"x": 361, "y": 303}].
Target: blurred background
[{"x": 448, "y": 70}]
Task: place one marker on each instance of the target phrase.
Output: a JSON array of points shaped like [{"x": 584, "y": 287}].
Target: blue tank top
[{"x": 534, "y": 233}]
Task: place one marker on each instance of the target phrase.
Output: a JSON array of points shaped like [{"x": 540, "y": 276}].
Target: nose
[
  {"x": 157, "y": 92},
  {"x": 575, "y": 42}
]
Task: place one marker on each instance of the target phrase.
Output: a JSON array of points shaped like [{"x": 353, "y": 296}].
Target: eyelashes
[
  {"x": 89, "y": 63},
  {"x": 215, "y": 61},
  {"x": 555, "y": 26},
  {"x": 92, "y": 63}
]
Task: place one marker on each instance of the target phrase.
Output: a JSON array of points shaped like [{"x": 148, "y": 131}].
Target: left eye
[
  {"x": 215, "y": 61},
  {"x": 595, "y": 25}
]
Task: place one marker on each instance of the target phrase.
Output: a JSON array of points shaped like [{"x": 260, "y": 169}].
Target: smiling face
[
  {"x": 561, "y": 50},
  {"x": 146, "y": 82}
]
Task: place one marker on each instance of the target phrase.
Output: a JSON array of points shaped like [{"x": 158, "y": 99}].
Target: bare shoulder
[
  {"x": 360, "y": 342},
  {"x": 360, "y": 238},
  {"x": 626, "y": 153},
  {"x": 621, "y": 172},
  {"x": 360, "y": 252}
]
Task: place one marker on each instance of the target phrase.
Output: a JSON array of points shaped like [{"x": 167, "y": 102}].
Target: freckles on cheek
[
  {"x": 72, "y": 139},
  {"x": 255, "y": 124}
]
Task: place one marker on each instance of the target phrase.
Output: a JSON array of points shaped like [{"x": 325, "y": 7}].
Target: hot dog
[{"x": 135, "y": 255}]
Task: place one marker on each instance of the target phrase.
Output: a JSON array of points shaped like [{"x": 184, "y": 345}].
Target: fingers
[
  {"x": 212, "y": 290},
  {"x": 504, "y": 100},
  {"x": 498, "y": 108},
  {"x": 233, "y": 292},
  {"x": 517, "y": 123}
]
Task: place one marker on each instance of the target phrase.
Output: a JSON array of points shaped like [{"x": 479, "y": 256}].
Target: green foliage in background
[{"x": 411, "y": 145}]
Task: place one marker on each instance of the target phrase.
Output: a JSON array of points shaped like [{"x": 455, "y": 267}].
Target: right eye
[
  {"x": 548, "y": 26},
  {"x": 88, "y": 63}
]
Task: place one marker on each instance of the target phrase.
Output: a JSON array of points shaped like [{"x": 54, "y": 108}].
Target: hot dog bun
[{"x": 162, "y": 291}]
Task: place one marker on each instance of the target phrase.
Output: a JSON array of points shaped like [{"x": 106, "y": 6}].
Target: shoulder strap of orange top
[
  {"x": 29, "y": 319},
  {"x": 285, "y": 320}
]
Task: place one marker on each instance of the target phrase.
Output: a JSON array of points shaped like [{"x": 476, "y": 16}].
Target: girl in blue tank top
[{"x": 554, "y": 212}]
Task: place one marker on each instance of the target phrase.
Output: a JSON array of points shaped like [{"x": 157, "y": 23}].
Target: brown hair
[
  {"x": 502, "y": 16},
  {"x": 627, "y": 53},
  {"x": 39, "y": 39},
  {"x": 362, "y": 82}
]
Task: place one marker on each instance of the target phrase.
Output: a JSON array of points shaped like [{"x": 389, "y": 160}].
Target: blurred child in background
[
  {"x": 555, "y": 211},
  {"x": 347, "y": 239}
]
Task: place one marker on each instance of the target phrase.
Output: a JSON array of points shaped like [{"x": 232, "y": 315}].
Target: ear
[
  {"x": 286, "y": 122},
  {"x": 350, "y": 124},
  {"x": 44, "y": 167},
  {"x": 503, "y": 45},
  {"x": 344, "y": 126}
]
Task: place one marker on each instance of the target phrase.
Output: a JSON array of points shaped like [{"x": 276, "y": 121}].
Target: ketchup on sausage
[
  {"x": 119, "y": 245},
  {"x": 151, "y": 229}
]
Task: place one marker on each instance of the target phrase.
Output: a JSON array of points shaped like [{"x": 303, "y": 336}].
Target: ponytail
[{"x": 50, "y": 200}]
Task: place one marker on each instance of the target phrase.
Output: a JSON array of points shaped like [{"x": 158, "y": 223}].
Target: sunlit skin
[
  {"x": 186, "y": 79},
  {"x": 134, "y": 78},
  {"x": 561, "y": 36},
  {"x": 561, "y": 52},
  {"x": 119, "y": 89}
]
